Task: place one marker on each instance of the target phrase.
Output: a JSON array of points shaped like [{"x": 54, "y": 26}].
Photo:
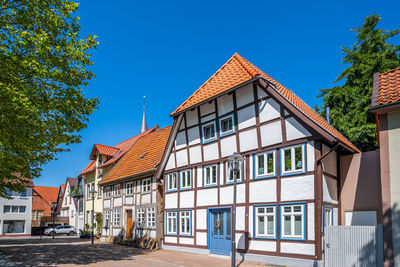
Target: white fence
[{"x": 353, "y": 246}]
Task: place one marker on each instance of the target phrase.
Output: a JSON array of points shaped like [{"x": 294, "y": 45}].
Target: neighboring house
[
  {"x": 386, "y": 106},
  {"x": 81, "y": 203},
  {"x": 16, "y": 212},
  {"x": 288, "y": 187},
  {"x": 103, "y": 159},
  {"x": 69, "y": 205},
  {"x": 42, "y": 197},
  {"x": 58, "y": 219},
  {"x": 132, "y": 196}
]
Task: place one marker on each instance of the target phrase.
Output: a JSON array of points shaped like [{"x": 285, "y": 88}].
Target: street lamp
[
  {"x": 234, "y": 162},
  {"x": 53, "y": 206},
  {"x": 93, "y": 192}
]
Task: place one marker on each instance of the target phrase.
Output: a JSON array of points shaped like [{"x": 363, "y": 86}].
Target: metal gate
[{"x": 353, "y": 246}]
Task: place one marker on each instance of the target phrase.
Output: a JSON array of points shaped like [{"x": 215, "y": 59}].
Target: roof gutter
[
  {"x": 376, "y": 109},
  {"x": 333, "y": 137},
  {"x": 135, "y": 176}
]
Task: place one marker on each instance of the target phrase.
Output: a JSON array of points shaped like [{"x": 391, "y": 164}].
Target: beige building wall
[
  {"x": 94, "y": 178},
  {"x": 360, "y": 193},
  {"x": 394, "y": 167}
]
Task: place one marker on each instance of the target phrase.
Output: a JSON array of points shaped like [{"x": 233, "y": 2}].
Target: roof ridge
[
  {"x": 241, "y": 59},
  {"x": 106, "y": 145},
  {"x": 395, "y": 69}
]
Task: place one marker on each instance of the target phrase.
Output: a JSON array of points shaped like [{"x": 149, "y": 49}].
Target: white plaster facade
[
  {"x": 69, "y": 206},
  {"x": 16, "y": 213}
]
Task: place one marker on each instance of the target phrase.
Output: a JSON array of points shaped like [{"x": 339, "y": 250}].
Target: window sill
[
  {"x": 204, "y": 142},
  {"x": 265, "y": 237},
  {"x": 293, "y": 239},
  {"x": 267, "y": 176},
  {"x": 291, "y": 173}
]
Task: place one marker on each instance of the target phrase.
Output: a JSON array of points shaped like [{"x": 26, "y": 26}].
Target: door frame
[
  {"x": 126, "y": 222},
  {"x": 210, "y": 228}
]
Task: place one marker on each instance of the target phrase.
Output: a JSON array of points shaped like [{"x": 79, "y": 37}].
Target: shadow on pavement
[{"x": 27, "y": 254}]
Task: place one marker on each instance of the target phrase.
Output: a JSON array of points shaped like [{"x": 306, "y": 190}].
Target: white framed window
[
  {"x": 293, "y": 159},
  {"x": 226, "y": 125},
  {"x": 185, "y": 179},
  {"x": 88, "y": 191},
  {"x": 107, "y": 192},
  {"x": 129, "y": 188},
  {"x": 265, "y": 164},
  {"x": 146, "y": 185},
  {"x": 99, "y": 191},
  {"x": 107, "y": 217},
  {"x": 229, "y": 177},
  {"x": 140, "y": 217},
  {"x": 185, "y": 226},
  {"x": 293, "y": 221},
  {"x": 328, "y": 216},
  {"x": 208, "y": 131},
  {"x": 265, "y": 221},
  {"x": 171, "y": 222},
  {"x": 151, "y": 217},
  {"x": 172, "y": 181},
  {"x": 14, "y": 209},
  {"x": 117, "y": 217},
  {"x": 117, "y": 190},
  {"x": 210, "y": 175},
  {"x": 72, "y": 213}
]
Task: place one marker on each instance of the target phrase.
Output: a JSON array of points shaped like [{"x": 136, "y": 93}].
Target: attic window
[{"x": 142, "y": 156}]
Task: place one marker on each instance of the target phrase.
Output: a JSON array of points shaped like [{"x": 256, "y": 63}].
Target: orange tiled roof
[
  {"x": 143, "y": 156},
  {"x": 48, "y": 193},
  {"x": 238, "y": 70},
  {"x": 387, "y": 88}
]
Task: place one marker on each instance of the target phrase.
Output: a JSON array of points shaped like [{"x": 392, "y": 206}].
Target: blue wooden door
[{"x": 219, "y": 231}]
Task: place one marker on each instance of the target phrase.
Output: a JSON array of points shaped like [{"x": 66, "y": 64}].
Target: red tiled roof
[
  {"x": 89, "y": 168},
  {"x": 386, "y": 88},
  {"x": 48, "y": 193},
  {"x": 238, "y": 70},
  {"x": 122, "y": 148},
  {"x": 142, "y": 157},
  {"x": 103, "y": 150}
]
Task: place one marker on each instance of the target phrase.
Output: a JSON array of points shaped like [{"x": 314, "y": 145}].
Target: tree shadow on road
[{"x": 24, "y": 254}]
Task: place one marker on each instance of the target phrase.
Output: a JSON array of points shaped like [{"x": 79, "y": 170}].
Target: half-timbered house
[
  {"x": 132, "y": 195},
  {"x": 288, "y": 187}
]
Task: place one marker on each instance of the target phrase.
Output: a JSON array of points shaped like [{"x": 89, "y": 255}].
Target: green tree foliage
[
  {"x": 44, "y": 66},
  {"x": 350, "y": 103}
]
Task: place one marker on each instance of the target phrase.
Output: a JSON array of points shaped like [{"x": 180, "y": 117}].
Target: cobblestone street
[{"x": 77, "y": 252}]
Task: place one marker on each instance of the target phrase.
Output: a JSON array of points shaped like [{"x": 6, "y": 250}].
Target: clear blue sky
[{"x": 167, "y": 49}]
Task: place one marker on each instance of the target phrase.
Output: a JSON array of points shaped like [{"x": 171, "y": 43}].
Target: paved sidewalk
[
  {"x": 78, "y": 252},
  {"x": 4, "y": 261}
]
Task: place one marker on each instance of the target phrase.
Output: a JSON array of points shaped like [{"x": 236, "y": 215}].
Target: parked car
[{"x": 60, "y": 230}]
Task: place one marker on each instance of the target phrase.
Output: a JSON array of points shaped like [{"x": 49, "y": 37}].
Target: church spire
[{"x": 144, "y": 124}]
